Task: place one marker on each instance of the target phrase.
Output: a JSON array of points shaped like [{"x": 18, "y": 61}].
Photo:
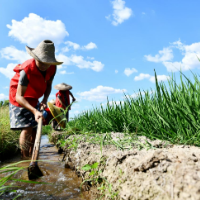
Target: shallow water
[{"x": 64, "y": 183}]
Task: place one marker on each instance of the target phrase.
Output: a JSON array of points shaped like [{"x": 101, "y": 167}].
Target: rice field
[{"x": 170, "y": 113}]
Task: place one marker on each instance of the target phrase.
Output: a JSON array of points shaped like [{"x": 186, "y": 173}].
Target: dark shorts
[{"x": 21, "y": 117}]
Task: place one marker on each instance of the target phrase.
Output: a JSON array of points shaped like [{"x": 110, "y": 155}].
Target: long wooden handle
[{"x": 36, "y": 147}]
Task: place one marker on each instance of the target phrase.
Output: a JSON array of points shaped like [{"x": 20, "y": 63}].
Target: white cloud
[
  {"x": 120, "y": 12},
  {"x": 80, "y": 62},
  {"x": 59, "y": 67},
  {"x": 163, "y": 55},
  {"x": 143, "y": 13},
  {"x": 66, "y": 60},
  {"x": 6, "y": 87},
  {"x": 90, "y": 58},
  {"x": 76, "y": 112},
  {"x": 151, "y": 78},
  {"x": 99, "y": 93},
  {"x": 65, "y": 49},
  {"x": 190, "y": 53},
  {"x": 129, "y": 71},
  {"x": 159, "y": 78},
  {"x": 90, "y": 46},
  {"x": 3, "y": 96},
  {"x": 33, "y": 29},
  {"x": 116, "y": 71},
  {"x": 141, "y": 77},
  {"x": 8, "y": 71},
  {"x": 11, "y": 53},
  {"x": 65, "y": 72},
  {"x": 76, "y": 46}
]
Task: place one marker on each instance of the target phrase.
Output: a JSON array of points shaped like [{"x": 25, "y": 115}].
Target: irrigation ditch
[{"x": 143, "y": 169}]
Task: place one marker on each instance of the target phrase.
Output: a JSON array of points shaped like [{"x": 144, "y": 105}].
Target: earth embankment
[{"x": 157, "y": 171}]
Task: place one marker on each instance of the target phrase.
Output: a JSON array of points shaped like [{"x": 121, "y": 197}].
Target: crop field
[{"x": 170, "y": 114}]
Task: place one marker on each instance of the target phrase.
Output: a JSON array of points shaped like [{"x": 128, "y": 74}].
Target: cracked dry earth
[{"x": 164, "y": 173}]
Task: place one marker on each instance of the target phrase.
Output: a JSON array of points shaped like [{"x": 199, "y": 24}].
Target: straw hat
[
  {"x": 63, "y": 86},
  {"x": 58, "y": 114},
  {"x": 52, "y": 101},
  {"x": 44, "y": 52}
]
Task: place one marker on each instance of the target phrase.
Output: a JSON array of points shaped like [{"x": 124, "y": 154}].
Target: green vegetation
[
  {"x": 4, "y": 103},
  {"x": 7, "y": 179},
  {"x": 8, "y": 139},
  {"x": 46, "y": 130},
  {"x": 166, "y": 114}
]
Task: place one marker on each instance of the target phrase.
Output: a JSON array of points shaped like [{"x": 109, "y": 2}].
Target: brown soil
[{"x": 164, "y": 172}]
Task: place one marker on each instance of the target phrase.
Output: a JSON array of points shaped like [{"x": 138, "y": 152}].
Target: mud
[{"x": 163, "y": 172}]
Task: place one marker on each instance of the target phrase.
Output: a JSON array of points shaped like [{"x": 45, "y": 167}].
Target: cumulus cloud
[
  {"x": 116, "y": 71},
  {"x": 90, "y": 58},
  {"x": 90, "y": 46},
  {"x": 120, "y": 12},
  {"x": 65, "y": 72},
  {"x": 99, "y": 93},
  {"x": 75, "y": 46},
  {"x": 12, "y": 53},
  {"x": 129, "y": 71},
  {"x": 190, "y": 54},
  {"x": 33, "y": 29},
  {"x": 80, "y": 62},
  {"x": 163, "y": 55},
  {"x": 141, "y": 77},
  {"x": 151, "y": 78},
  {"x": 3, "y": 96},
  {"x": 159, "y": 78},
  {"x": 8, "y": 71}
]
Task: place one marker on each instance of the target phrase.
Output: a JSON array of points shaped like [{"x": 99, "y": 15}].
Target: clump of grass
[
  {"x": 171, "y": 114},
  {"x": 46, "y": 130},
  {"x": 8, "y": 138}
]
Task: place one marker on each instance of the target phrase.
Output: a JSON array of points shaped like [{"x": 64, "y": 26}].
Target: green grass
[
  {"x": 7, "y": 179},
  {"x": 8, "y": 139},
  {"x": 169, "y": 113}
]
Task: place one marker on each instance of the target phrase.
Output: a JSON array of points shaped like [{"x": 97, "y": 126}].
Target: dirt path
[{"x": 164, "y": 172}]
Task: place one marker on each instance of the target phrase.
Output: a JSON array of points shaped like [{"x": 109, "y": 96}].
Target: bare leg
[
  {"x": 32, "y": 141},
  {"x": 24, "y": 141}
]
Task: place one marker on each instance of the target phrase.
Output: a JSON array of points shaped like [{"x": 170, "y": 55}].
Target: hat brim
[
  {"x": 55, "y": 111},
  {"x": 30, "y": 52},
  {"x": 63, "y": 87}
]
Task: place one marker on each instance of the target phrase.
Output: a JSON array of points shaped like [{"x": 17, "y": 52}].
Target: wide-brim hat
[
  {"x": 63, "y": 87},
  {"x": 52, "y": 101},
  {"x": 44, "y": 52},
  {"x": 58, "y": 114}
]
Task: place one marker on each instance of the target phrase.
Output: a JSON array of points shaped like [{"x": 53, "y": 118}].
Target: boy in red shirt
[{"x": 32, "y": 80}]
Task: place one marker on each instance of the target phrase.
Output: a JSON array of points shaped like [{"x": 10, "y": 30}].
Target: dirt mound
[{"x": 163, "y": 172}]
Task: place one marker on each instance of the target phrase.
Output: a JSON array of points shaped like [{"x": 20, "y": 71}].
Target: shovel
[{"x": 33, "y": 169}]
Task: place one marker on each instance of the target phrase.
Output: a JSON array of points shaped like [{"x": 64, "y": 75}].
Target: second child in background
[{"x": 63, "y": 97}]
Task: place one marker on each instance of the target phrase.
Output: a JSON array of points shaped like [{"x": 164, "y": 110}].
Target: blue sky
[{"x": 108, "y": 47}]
